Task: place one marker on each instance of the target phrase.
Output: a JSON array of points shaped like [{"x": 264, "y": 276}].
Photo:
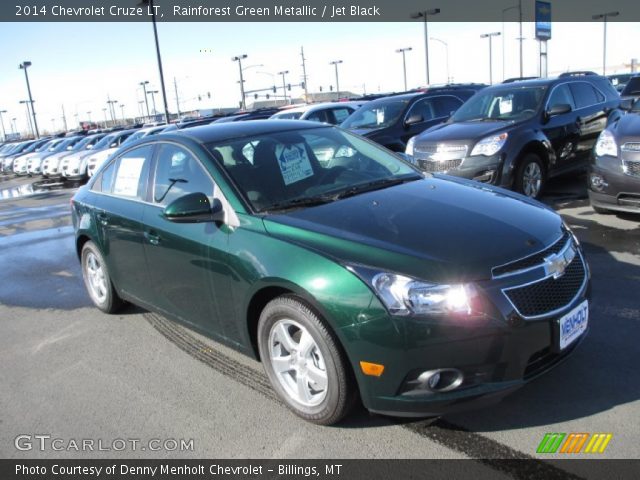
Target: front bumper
[
  {"x": 479, "y": 167},
  {"x": 619, "y": 192},
  {"x": 496, "y": 353}
]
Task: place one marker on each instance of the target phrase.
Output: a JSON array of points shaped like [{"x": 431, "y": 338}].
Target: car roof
[
  {"x": 223, "y": 131},
  {"x": 317, "y": 106}
]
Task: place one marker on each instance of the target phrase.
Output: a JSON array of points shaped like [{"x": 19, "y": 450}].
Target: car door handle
[
  {"x": 153, "y": 238},
  {"x": 103, "y": 218}
]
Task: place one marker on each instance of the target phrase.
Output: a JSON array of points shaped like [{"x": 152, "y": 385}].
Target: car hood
[
  {"x": 628, "y": 128},
  {"x": 472, "y": 130},
  {"x": 440, "y": 229}
]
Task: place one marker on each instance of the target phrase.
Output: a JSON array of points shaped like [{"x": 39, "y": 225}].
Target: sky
[{"x": 79, "y": 66}]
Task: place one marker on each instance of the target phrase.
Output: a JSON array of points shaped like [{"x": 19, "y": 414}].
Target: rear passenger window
[
  {"x": 105, "y": 181},
  {"x": 584, "y": 94},
  {"x": 132, "y": 172},
  {"x": 445, "y": 105}
]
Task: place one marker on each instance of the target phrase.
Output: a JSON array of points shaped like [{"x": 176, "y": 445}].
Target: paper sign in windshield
[
  {"x": 294, "y": 163},
  {"x": 128, "y": 176}
]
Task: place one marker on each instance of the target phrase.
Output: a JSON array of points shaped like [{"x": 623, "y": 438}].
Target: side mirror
[
  {"x": 558, "y": 109},
  {"x": 413, "y": 119},
  {"x": 194, "y": 208},
  {"x": 626, "y": 104}
]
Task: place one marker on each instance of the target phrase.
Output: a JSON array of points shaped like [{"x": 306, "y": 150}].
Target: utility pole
[
  {"x": 520, "y": 39},
  {"x": 425, "y": 15},
  {"x": 284, "y": 85},
  {"x": 335, "y": 63},
  {"x": 304, "y": 75},
  {"x": 23, "y": 66}
]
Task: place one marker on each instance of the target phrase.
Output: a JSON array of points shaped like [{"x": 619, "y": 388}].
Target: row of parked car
[{"x": 517, "y": 134}]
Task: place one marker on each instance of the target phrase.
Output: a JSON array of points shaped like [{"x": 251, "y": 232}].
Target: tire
[
  {"x": 530, "y": 176},
  {"x": 97, "y": 280},
  {"x": 323, "y": 397}
]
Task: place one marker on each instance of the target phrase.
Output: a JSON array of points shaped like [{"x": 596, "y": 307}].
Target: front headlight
[
  {"x": 403, "y": 295},
  {"x": 409, "y": 148},
  {"x": 490, "y": 145},
  {"x": 606, "y": 144}
]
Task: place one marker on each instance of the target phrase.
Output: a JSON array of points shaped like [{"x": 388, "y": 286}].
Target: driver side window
[
  {"x": 178, "y": 173},
  {"x": 561, "y": 95}
]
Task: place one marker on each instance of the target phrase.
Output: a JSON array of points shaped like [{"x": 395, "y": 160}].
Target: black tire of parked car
[
  {"x": 341, "y": 392},
  {"x": 524, "y": 166},
  {"x": 111, "y": 302}
]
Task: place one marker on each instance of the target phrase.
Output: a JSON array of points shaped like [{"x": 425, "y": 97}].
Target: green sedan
[{"x": 347, "y": 272}]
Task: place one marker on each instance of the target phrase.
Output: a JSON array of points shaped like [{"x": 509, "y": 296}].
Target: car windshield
[
  {"x": 133, "y": 137},
  {"x": 632, "y": 87},
  {"x": 33, "y": 147},
  {"x": 105, "y": 142},
  {"x": 376, "y": 114},
  {"x": 306, "y": 167},
  {"x": 287, "y": 115},
  {"x": 506, "y": 104},
  {"x": 80, "y": 145},
  {"x": 54, "y": 146}
]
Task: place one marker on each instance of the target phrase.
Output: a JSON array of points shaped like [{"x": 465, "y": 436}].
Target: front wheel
[
  {"x": 304, "y": 363},
  {"x": 530, "y": 176},
  {"x": 97, "y": 280}
]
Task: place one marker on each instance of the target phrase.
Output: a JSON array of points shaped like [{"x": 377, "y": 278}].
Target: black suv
[
  {"x": 391, "y": 121},
  {"x": 520, "y": 133}
]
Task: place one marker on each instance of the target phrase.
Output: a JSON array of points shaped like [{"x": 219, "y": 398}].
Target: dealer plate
[{"x": 573, "y": 324}]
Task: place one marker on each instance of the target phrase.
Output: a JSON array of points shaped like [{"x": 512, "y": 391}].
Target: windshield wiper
[
  {"x": 300, "y": 202},
  {"x": 375, "y": 185}
]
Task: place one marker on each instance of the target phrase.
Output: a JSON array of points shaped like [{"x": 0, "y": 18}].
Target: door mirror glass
[
  {"x": 194, "y": 208},
  {"x": 559, "y": 109}
]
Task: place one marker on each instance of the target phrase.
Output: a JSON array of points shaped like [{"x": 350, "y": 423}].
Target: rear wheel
[
  {"x": 97, "y": 280},
  {"x": 304, "y": 363},
  {"x": 530, "y": 176}
]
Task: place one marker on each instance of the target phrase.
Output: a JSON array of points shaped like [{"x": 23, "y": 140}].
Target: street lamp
[
  {"x": 604, "y": 17},
  {"x": 335, "y": 63},
  {"x": 122, "y": 111},
  {"x": 239, "y": 59},
  {"x": 404, "y": 63},
  {"x": 284, "y": 85},
  {"x": 425, "y": 15},
  {"x": 53, "y": 124},
  {"x": 23, "y": 66},
  {"x": 89, "y": 116},
  {"x": 112, "y": 109},
  {"x": 4, "y": 134},
  {"x": 446, "y": 48},
  {"x": 26, "y": 103},
  {"x": 144, "y": 89},
  {"x": 104, "y": 110},
  {"x": 490, "y": 36},
  {"x": 505, "y": 10},
  {"x": 14, "y": 128},
  {"x": 153, "y": 100}
]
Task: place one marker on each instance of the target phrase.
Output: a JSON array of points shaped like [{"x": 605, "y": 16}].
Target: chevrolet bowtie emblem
[{"x": 557, "y": 263}]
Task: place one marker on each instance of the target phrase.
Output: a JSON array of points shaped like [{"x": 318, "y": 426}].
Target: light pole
[
  {"x": 53, "y": 124},
  {"x": 284, "y": 85},
  {"x": 77, "y": 119},
  {"x": 112, "y": 109},
  {"x": 23, "y": 66},
  {"x": 425, "y": 15},
  {"x": 122, "y": 111},
  {"x": 144, "y": 89},
  {"x": 89, "y": 115},
  {"x": 446, "y": 48},
  {"x": 604, "y": 17},
  {"x": 26, "y": 103},
  {"x": 335, "y": 63},
  {"x": 104, "y": 110},
  {"x": 505, "y": 10},
  {"x": 14, "y": 129},
  {"x": 152, "y": 10},
  {"x": 404, "y": 63},
  {"x": 239, "y": 59},
  {"x": 153, "y": 100},
  {"x": 489, "y": 36},
  {"x": 4, "y": 134}
]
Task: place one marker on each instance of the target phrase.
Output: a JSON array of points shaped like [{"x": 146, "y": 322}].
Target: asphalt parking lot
[{"x": 71, "y": 372}]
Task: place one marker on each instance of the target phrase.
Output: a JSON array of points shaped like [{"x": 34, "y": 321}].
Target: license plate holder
[{"x": 571, "y": 326}]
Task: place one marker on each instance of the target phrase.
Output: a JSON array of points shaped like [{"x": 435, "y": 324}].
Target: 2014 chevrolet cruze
[{"x": 339, "y": 265}]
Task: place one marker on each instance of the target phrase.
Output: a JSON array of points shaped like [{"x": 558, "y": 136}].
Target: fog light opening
[
  {"x": 441, "y": 380},
  {"x": 598, "y": 182},
  {"x": 486, "y": 177}
]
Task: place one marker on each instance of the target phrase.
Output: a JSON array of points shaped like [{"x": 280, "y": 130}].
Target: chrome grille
[
  {"x": 536, "y": 259},
  {"x": 549, "y": 295},
  {"x": 434, "y": 166},
  {"x": 631, "y": 167}
]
